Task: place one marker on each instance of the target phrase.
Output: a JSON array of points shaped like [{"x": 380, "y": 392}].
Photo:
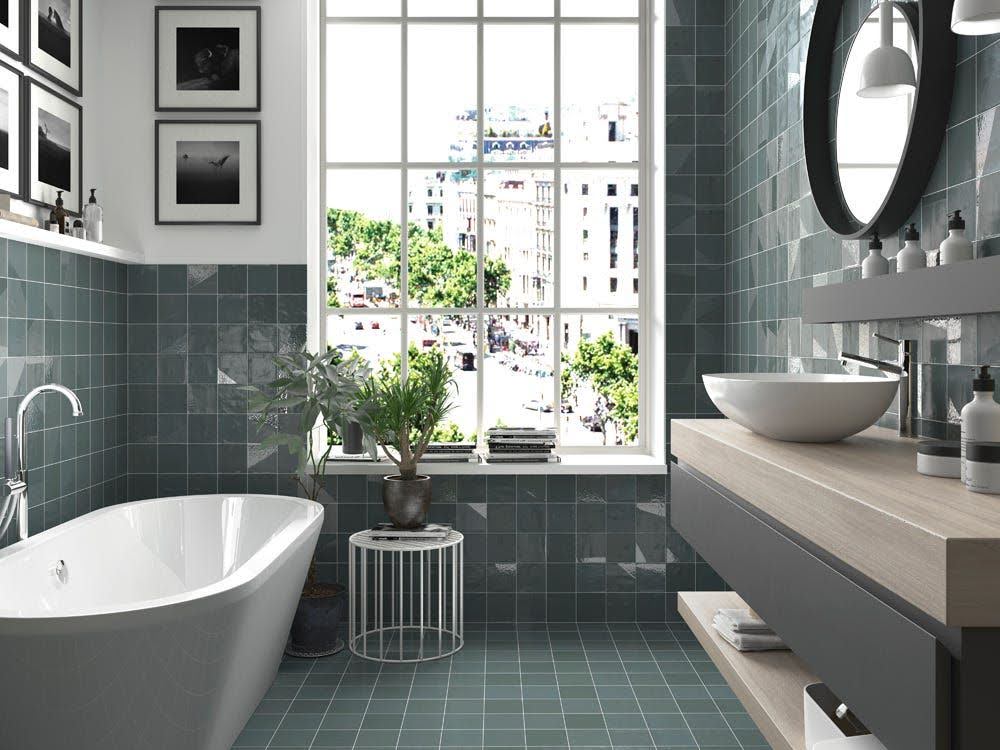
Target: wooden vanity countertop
[{"x": 929, "y": 540}]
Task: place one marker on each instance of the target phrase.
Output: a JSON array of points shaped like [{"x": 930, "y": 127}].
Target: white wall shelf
[
  {"x": 11, "y": 230},
  {"x": 965, "y": 288}
]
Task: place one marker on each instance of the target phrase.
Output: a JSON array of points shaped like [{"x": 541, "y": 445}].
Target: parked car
[
  {"x": 536, "y": 405},
  {"x": 465, "y": 360},
  {"x": 566, "y": 407},
  {"x": 591, "y": 422}
]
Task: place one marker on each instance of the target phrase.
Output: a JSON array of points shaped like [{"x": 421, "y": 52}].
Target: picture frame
[
  {"x": 52, "y": 158},
  {"x": 208, "y": 172},
  {"x": 11, "y": 130},
  {"x": 10, "y": 28},
  {"x": 208, "y": 58},
  {"x": 53, "y": 41}
]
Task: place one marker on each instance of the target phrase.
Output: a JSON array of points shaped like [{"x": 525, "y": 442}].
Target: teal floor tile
[{"x": 561, "y": 687}]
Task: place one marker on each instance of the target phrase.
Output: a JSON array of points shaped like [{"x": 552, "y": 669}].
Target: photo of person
[{"x": 208, "y": 59}]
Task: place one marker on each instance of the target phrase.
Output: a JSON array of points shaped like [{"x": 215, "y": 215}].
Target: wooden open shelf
[{"x": 769, "y": 683}]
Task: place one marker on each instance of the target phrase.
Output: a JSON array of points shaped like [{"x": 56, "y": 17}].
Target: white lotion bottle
[
  {"x": 93, "y": 218},
  {"x": 912, "y": 256},
  {"x": 981, "y": 416},
  {"x": 956, "y": 247},
  {"x": 874, "y": 265}
]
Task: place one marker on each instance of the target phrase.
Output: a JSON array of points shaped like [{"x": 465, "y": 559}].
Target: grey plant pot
[
  {"x": 354, "y": 439},
  {"x": 406, "y": 501}
]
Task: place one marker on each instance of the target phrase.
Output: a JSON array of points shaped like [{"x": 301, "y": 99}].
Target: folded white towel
[
  {"x": 742, "y": 621},
  {"x": 749, "y": 641}
]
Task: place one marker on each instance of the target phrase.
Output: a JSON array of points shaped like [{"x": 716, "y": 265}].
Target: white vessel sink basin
[{"x": 801, "y": 408}]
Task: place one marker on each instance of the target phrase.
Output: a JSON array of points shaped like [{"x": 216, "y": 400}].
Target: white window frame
[{"x": 648, "y": 453}]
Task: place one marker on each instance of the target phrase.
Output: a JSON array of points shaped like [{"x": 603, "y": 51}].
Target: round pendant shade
[
  {"x": 976, "y": 17},
  {"x": 888, "y": 71}
]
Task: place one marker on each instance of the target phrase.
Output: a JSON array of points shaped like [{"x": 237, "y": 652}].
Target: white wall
[{"x": 125, "y": 175}]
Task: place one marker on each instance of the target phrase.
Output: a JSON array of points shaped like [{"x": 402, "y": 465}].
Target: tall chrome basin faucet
[
  {"x": 905, "y": 368},
  {"x": 15, "y": 461}
]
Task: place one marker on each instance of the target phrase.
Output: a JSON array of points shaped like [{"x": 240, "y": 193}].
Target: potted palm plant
[
  {"x": 400, "y": 415},
  {"x": 311, "y": 389}
]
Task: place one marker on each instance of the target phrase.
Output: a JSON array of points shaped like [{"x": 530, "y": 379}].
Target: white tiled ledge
[
  {"x": 11, "y": 230},
  {"x": 573, "y": 464}
]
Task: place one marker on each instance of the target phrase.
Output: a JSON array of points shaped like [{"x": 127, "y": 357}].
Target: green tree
[
  {"x": 421, "y": 362},
  {"x": 439, "y": 276},
  {"x": 612, "y": 370}
]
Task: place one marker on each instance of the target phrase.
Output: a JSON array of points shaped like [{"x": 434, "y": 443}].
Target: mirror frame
[{"x": 936, "y": 54}]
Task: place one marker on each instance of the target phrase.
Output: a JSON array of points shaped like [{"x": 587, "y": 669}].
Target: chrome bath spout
[{"x": 17, "y": 484}]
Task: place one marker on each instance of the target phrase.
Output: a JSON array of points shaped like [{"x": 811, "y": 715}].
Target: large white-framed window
[{"x": 491, "y": 190}]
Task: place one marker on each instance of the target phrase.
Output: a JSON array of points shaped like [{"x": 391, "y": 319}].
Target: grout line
[
  {"x": 291, "y": 702},
  {"x": 586, "y": 658},
  {"x": 329, "y": 705},
  {"x": 660, "y": 670}
]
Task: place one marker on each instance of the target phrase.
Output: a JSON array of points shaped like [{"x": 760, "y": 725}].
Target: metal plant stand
[{"x": 405, "y": 598}]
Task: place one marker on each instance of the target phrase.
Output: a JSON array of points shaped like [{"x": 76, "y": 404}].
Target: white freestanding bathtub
[{"x": 155, "y": 625}]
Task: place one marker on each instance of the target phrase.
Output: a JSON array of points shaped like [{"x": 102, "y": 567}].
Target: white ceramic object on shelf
[
  {"x": 875, "y": 264},
  {"x": 802, "y": 408},
  {"x": 956, "y": 248},
  {"x": 912, "y": 256}
]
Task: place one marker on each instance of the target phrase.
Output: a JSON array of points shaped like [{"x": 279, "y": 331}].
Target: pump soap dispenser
[
  {"x": 912, "y": 256},
  {"x": 981, "y": 416},
  {"x": 957, "y": 246},
  {"x": 874, "y": 264}
]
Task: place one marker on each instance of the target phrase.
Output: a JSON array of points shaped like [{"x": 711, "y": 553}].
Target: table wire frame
[{"x": 384, "y": 622}]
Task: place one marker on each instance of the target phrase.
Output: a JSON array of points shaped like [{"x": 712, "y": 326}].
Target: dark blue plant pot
[{"x": 316, "y": 628}]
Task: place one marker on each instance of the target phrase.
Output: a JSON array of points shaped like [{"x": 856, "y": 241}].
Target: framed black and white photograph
[
  {"x": 207, "y": 172},
  {"x": 10, "y": 28},
  {"x": 207, "y": 59},
  {"x": 53, "y": 134},
  {"x": 11, "y": 85},
  {"x": 55, "y": 41}
]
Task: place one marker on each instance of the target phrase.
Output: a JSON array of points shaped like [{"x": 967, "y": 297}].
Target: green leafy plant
[
  {"x": 401, "y": 414},
  {"x": 310, "y": 388}
]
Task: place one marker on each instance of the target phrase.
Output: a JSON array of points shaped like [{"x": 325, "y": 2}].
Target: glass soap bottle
[
  {"x": 93, "y": 218},
  {"x": 60, "y": 215},
  {"x": 912, "y": 256},
  {"x": 874, "y": 264}
]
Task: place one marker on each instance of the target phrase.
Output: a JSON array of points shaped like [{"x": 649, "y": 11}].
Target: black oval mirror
[{"x": 869, "y": 159}]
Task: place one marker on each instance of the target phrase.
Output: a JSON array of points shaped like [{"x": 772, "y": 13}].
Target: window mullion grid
[
  {"x": 404, "y": 180},
  {"x": 646, "y": 221},
  {"x": 557, "y": 336},
  {"x": 480, "y": 224}
]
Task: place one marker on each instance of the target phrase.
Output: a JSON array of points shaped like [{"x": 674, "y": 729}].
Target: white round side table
[{"x": 405, "y": 602}]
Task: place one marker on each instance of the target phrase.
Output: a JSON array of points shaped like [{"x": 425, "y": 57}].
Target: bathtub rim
[{"x": 250, "y": 576}]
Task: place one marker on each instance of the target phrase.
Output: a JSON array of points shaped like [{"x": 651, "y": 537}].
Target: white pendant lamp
[
  {"x": 976, "y": 17},
  {"x": 888, "y": 70}
]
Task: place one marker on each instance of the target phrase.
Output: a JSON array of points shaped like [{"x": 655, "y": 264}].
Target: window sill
[{"x": 572, "y": 464}]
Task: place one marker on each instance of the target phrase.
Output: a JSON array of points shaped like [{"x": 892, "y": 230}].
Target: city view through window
[{"x": 483, "y": 199}]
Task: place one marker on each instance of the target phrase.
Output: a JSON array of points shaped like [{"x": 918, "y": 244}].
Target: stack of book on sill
[
  {"x": 451, "y": 453},
  {"x": 427, "y": 531},
  {"x": 521, "y": 445}
]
